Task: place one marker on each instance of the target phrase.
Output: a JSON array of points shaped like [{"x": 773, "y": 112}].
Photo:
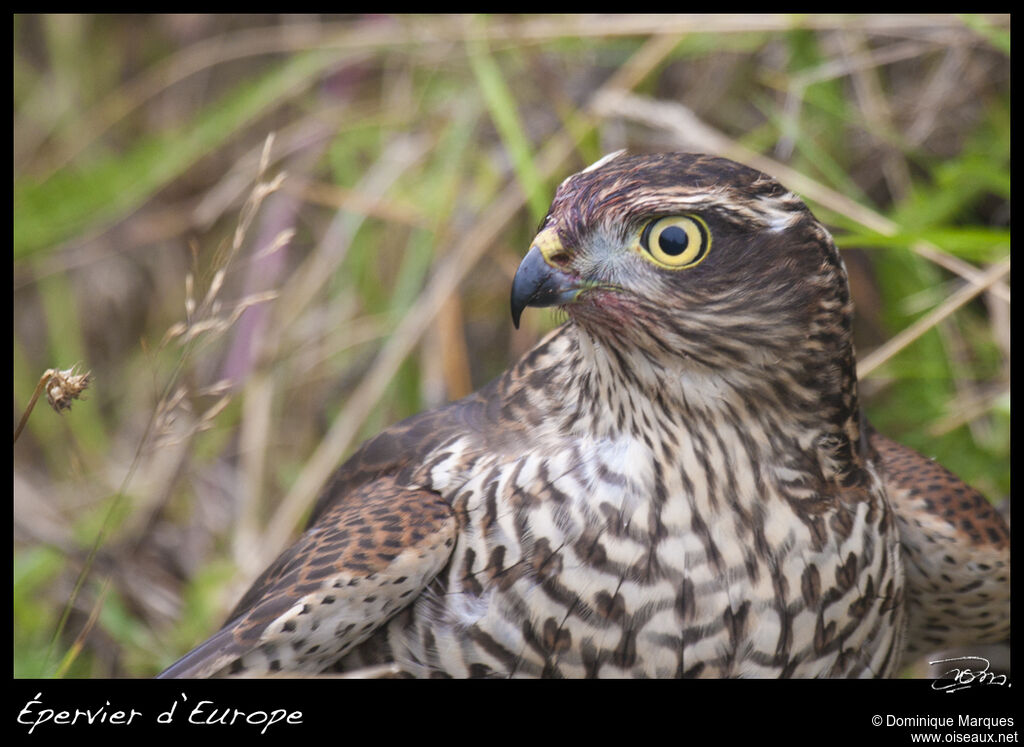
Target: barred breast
[{"x": 699, "y": 554}]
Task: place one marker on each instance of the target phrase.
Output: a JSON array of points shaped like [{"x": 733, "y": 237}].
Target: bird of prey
[{"x": 677, "y": 482}]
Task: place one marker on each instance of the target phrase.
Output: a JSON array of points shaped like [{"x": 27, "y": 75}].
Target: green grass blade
[{"x": 502, "y": 107}]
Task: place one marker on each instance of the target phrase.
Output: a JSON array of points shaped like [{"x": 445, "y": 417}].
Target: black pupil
[{"x": 673, "y": 241}]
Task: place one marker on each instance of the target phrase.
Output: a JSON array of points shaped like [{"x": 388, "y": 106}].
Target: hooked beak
[{"x": 539, "y": 283}]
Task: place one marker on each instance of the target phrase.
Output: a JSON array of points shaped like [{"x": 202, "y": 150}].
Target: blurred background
[{"x": 267, "y": 237}]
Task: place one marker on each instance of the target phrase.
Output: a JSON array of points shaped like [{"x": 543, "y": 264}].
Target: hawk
[{"x": 677, "y": 482}]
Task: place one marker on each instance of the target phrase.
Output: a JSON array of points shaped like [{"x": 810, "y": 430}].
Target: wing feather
[
  {"x": 956, "y": 553},
  {"x": 366, "y": 558}
]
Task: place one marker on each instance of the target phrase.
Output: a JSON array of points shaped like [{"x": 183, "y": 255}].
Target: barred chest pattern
[{"x": 603, "y": 552}]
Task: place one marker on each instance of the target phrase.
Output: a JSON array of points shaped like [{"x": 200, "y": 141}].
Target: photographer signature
[{"x": 960, "y": 677}]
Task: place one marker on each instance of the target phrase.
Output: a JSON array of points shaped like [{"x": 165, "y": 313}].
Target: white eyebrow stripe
[
  {"x": 781, "y": 213},
  {"x": 603, "y": 160},
  {"x": 780, "y": 221},
  {"x": 595, "y": 165}
]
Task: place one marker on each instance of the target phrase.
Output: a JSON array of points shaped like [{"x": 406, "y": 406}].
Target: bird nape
[{"x": 676, "y": 482}]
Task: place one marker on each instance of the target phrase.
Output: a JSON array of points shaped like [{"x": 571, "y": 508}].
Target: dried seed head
[{"x": 66, "y": 386}]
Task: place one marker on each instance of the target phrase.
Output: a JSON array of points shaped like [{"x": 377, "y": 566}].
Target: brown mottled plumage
[
  {"x": 956, "y": 554},
  {"x": 677, "y": 482}
]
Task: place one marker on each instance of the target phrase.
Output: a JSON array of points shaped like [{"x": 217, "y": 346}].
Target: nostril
[{"x": 560, "y": 258}]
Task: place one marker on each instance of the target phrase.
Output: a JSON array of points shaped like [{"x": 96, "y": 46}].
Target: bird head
[{"x": 695, "y": 261}]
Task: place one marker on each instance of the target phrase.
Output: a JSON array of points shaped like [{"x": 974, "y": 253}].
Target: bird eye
[{"x": 676, "y": 241}]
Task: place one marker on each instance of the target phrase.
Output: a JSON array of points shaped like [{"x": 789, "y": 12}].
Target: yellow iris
[{"x": 676, "y": 241}]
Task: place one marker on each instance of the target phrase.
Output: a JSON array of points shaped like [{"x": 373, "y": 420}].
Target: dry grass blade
[
  {"x": 308, "y": 279},
  {"x": 965, "y": 412},
  {"x": 358, "y": 201},
  {"x": 880, "y": 355},
  {"x": 83, "y": 634}
]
